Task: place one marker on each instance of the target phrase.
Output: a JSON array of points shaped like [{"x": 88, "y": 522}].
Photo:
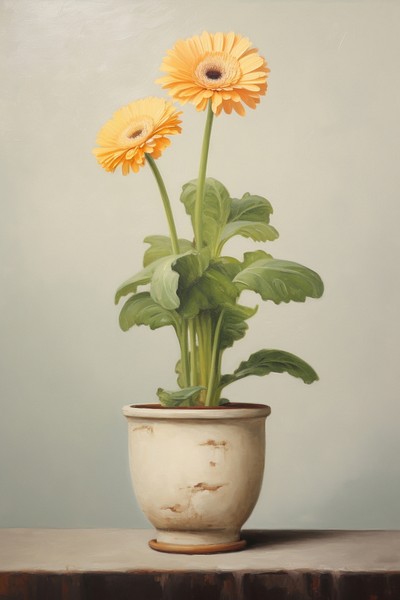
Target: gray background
[{"x": 323, "y": 146}]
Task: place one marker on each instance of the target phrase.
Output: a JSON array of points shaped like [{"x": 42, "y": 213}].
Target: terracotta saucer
[{"x": 193, "y": 549}]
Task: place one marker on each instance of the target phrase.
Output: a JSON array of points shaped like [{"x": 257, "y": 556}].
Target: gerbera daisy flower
[
  {"x": 137, "y": 129},
  {"x": 222, "y": 67}
]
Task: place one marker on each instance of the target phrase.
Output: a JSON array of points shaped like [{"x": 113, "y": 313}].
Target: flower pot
[{"x": 197, "y": 472}]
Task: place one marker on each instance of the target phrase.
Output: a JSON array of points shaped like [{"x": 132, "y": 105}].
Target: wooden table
[{"x": 117, "y": 564}]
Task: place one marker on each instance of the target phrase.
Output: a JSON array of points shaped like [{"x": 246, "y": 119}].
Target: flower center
[
  {"x": 217, "y": 70},
  {"x": 137, "y": 132},
  {"x": 213, "y": 74}
]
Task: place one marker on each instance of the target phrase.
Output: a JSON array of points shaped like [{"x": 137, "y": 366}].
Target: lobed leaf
[
  {"x": 251, "y": 257},
  {"x": 234, "y": 324},
  {"x": 250, "y": 208},
  {"x": 141, "y": 309},
  {"x": 213, "y": 289},
  {"x": 142, "y": 278},
  {"x": 249, "y": 217},
  {"x": 191, "y": 266},
  {"x": 279, "y": 280},
  {"x": 186, "y": 397},
  {"x": 163, "y": 278},
  {"x": 160, "y": 246},
  {"x": 228, "y": 265},
  {"x": 264, "y": 362},
  {"x": 179, "y": 371},
  {"x": 164, "y": 283},
  {"x": 216, "y": 208},
  {"x": 259, "y": 232}
]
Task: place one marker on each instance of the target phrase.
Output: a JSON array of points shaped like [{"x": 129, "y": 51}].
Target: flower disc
[
  {"x": 222, "y": 67},
  {"x": 137, "y": 129}
]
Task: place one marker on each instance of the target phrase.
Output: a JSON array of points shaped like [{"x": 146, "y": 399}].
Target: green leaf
[
  {"x": 280, "y": 280},
  {"x": 250, "y": 208},
  {"x": 223, "y": 401},
  {"x": 213, "y": 289},
  {"x": 251, "y": 257},
  {"x": 142, "y": 278},
  {"x": 160, "y": 246},
  {"x": 191, "y": 266},
  {"x": 228, "y": 265},
  {"x": 234, "y": 324},
  {"x": 259, "y": 232},
  {"x": 186, "y": 397},
  {"x": 184, "y": 270},
  {"x": 140, "y": 309},
  {"x": 264, "y": 362},
  {"x": 249, "y": 217},
  {"x": 162, "y": 277},
  {"x": 216, "y": 209},
  {"x": 179, "y": 371},
  {"x": 164, "y": 283}
]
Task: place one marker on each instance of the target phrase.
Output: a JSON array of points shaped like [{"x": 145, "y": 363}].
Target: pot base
[{"x": 197, "y": 549}]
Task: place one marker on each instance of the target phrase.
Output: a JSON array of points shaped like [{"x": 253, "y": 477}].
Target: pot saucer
[{"x": 197, "y": 549}]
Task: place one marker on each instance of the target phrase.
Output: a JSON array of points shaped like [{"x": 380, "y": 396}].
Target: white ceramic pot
[{"x": 197, "y": 472}]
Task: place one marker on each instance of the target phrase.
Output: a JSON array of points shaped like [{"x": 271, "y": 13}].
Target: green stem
[
  {"x": 184, "y": 354},
  {"x": 202, "y": 178},
  {"x": 204, "y": 332},
  {"x": 214, "y": 361},
  {"x": 193, "y": 353},
  {"x": 208, "y": 336},
  {"x": 202, "y": 361},
  {"x": 166, "y": 202},
  {"x": 218, "y": 390}
]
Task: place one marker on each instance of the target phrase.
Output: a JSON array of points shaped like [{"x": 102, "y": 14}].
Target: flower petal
[
  {"x": 222, "y": 67},
  {"x": 136, "y": 129}
]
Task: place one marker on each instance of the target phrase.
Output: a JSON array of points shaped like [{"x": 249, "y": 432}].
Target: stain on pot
[
  {"x": 147, "y": 428},
  {"x": 207, "y": 487},
  {"x": 176, "y": 508},
  {"x": 222, "y": 444}
]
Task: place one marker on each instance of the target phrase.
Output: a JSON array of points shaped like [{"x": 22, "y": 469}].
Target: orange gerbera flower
[
  {"x": 222, "y": 67},
  {"x": 135, "y": 130}
]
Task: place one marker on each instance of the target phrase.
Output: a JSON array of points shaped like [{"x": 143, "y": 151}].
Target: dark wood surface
[{"x": 277, "y": 565}]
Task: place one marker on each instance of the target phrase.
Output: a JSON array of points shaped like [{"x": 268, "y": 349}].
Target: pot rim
[{"x": 233, "y": 410}]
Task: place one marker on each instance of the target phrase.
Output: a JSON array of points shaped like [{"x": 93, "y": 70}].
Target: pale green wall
[{"x": 323, "y": 146}]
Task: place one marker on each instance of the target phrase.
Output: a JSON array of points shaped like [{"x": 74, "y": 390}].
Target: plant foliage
[
  {"x": 191, "y": 285},
  {"x": 197, "y": 293}
]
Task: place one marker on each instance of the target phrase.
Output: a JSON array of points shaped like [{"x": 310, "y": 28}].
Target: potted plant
[{"x": 196, "y": 459}]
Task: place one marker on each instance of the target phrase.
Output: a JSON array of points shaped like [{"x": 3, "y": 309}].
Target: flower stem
[
  {"x": 166, "y": 202},
  {"x": 202, "y": 177},
  {"x": 202, "y": 359},
  {"x": 214, "y": 362},
  {"x": 193, "y": 353},
  {"x": 184, "y": 354}
]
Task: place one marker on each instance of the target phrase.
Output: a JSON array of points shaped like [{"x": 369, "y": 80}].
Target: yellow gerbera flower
[
  {"x": 135, "y": 130},
  {"x": 222, "y": 67}
]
